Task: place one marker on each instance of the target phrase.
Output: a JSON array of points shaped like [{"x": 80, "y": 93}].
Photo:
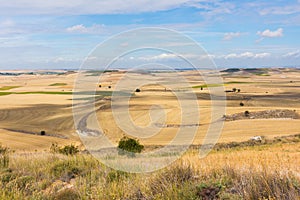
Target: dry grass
[{"x": 250, "y": 172}]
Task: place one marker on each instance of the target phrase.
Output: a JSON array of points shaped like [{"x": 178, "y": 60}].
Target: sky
[{"x": 59, "y": 34}]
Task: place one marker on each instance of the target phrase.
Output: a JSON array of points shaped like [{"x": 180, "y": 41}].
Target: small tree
[
  {"x": 233, "y": 89},
  {"x": 238, "y": 90},
  {"x": 247, "y": 113},
  {"x": 137, "y": 90},
  {"x": 130, "y": 145},
  {"x": 241, "y": 104}
]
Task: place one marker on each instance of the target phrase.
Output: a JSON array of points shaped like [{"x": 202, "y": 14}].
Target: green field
[
  {"x": 37, "y": 92},
  {"x": 58, "y": 84},
  {"x": 9, "y": 87}
]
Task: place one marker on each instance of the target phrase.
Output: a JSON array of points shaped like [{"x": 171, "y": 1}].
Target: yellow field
[{"x": 30, "y": 104}]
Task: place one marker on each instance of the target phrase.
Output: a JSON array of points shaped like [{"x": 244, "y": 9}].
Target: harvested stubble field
[{"x": 30, "y": 104}]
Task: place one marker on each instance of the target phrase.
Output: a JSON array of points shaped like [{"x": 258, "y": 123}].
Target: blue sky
[{"x": 53, "y": 34}]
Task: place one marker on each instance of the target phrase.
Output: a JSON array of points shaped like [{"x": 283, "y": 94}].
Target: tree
[
  {"x": 247, "y": 113},
  {"x": 130, "y": 145}
]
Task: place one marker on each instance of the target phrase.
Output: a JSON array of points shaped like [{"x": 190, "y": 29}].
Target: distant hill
[{"x": 255, "y": 71}]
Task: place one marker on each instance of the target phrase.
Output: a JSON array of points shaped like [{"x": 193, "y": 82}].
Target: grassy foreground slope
[{"x": 265, "y": 171}]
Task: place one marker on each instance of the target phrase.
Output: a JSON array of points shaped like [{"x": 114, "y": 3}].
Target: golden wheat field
[{"x": 30, "y": 104}]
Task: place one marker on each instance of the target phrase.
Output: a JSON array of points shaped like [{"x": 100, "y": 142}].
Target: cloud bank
[{"x": 271, "y": 34}]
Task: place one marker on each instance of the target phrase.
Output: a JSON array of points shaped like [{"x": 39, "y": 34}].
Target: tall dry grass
[{"x": 255, "y": 172}]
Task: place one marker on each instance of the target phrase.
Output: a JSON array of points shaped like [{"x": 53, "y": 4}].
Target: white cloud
[
  {"x": 159, "y": 57},
  {"x": 76, "y": 7},
  {"x": 231, "y": 35},
  {"x": 262, "y": 55},
  {"x": 80, "y": 28},
  {"x": 293, "y": 54},
  {"x": 169, "y": 56},
  {"x": 8, "y": 27},
  {"x": 164, "y": 56},
  {"x": 246, "y": 55},
  {"x": 232, "y": 55},
  {"x": 77, "y": 28},
  {"x": 271, "y": 34},
  {"x": 282, "y": 10},
  {"x": 212, "y": 8},
  {"x": 7, "y": 23}
]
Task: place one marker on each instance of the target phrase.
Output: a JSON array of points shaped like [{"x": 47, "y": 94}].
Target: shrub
[
  {"x": 247, "y": 113},
  {"x": 4, "y": 157},
  {"x": 54, "y": 148},
  {"x": 66, "y": 150},
  {"x": 67, "y": 194},
  {"x": 69, "y": 150},
  {"x": 21, "y": 183},
  {"x": 130, "y": 145},
  {"x": 65, "y": 170},
  {"x": 116, "y": 175},
  {"x": 234, "y": 89},
  {"x": 7, "y": 176},
  {"x": 208, "y": 192}
]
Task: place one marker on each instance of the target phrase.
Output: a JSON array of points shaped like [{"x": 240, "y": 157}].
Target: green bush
[
  {"x": 22, "y": 183},
  {"x": 65, "y": 170},
  {"x": 205, "y": 191},
  {"x": 6, "y": 176},
  {"x": 66, "y": 150},
  {"x": 68, "y": 194},
  {"x": 116, "y": 175},
  {"x": 130, "y": 145}
]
